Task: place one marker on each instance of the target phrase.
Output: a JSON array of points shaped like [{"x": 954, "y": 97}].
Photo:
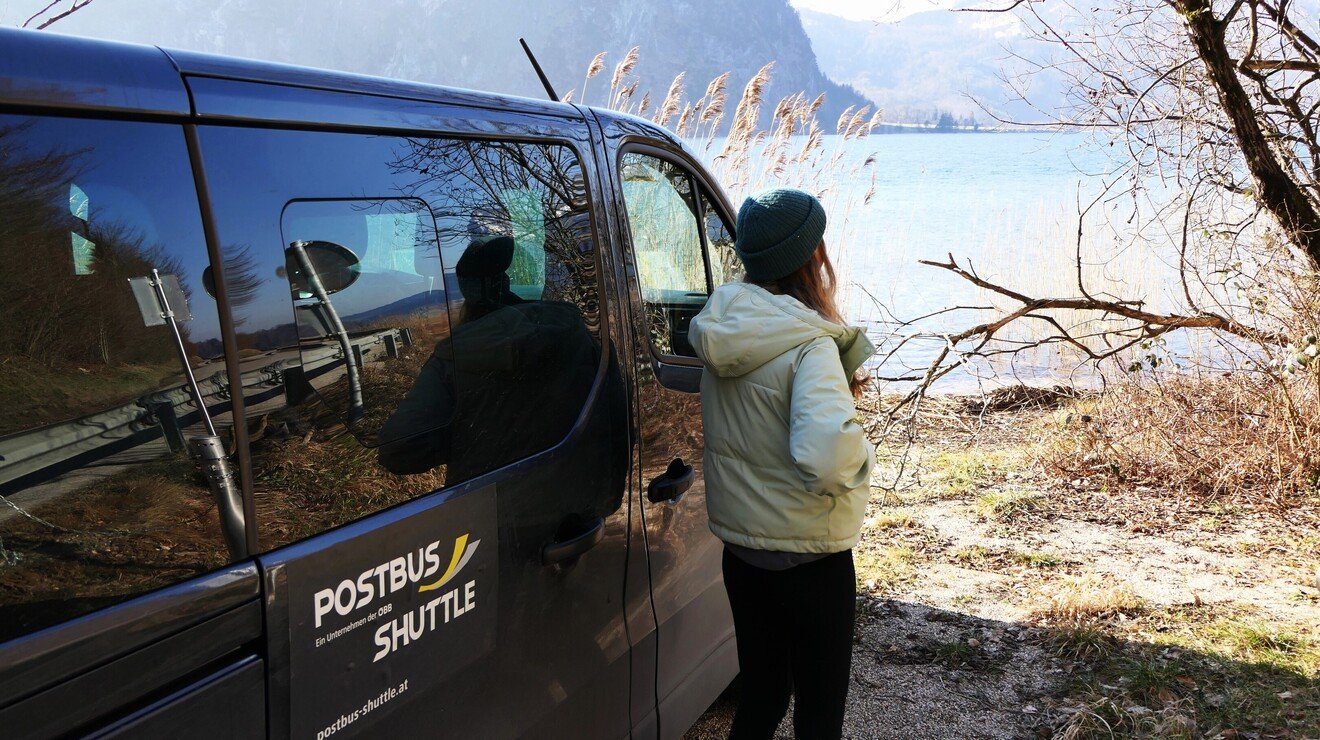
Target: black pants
[{"x": 795, "y": 633}]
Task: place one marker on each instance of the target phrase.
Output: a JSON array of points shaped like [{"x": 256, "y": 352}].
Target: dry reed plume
[{"x": 745, "y": 152}]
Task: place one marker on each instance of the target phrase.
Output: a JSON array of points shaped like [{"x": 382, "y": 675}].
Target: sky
[{"x": 871, "y": 10}]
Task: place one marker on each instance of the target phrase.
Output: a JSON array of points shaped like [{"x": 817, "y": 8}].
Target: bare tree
[{"x": 1213, "y": 104}]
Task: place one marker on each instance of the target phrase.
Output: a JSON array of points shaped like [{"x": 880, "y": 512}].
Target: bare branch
[
  {"x": 1008, "y": 8},
  {"x": 1278, "y": 65},
  {"x": 1125, "y": 309},
  {"x": 76, "y": 6}
]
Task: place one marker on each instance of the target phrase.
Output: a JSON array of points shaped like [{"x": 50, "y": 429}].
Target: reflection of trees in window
[
  {"x": 725, "y": 266},
  {"x": 662, "y": 218},
  {"x": 80, "y": 335},
  {"x": 534, "y": 193},
  {"x": 88, "y": 520},
  {"x": 501, "y": 385},
  {"x": 242, "y": 284}
]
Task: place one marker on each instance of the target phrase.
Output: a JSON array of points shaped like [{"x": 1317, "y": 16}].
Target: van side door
[
  {"x": 437, "y": 416},
  {"x": 123, "y": 611},
  {"x": 678, "y": 248}
]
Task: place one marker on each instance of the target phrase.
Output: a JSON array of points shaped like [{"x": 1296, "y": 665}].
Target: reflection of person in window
[
  {"x": 483, "y": 276},
  {"x": 508, "y": 382}
]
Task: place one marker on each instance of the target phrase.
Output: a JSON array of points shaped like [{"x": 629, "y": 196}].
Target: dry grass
[
  {"x": 110, "y": 540},
  {"x": 1248, "y": 435},
  {"x": 306, "y": 487},
  {"x": 1106, "y": 718},
  {"x": 884, "y": 569},
  {"x": 1087, "y": 599},
  {"x": 980, "y": 557},
  {"x": 33, "y": 394},
  {"x": 1083, "y": 641},
  {"x": 894, "y": 521},
  {"x": 1007, "y": 505},
  {"x": 1191, "y": 672},
  {"x": 312, "y": 475}
]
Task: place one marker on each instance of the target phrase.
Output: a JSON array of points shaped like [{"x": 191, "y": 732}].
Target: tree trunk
[{"x": 1277, "y": 191}]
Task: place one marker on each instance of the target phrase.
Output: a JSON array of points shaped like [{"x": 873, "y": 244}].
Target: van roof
[
  {"x": 51, "y": 70},
  {"x": 45, "y": 70}
]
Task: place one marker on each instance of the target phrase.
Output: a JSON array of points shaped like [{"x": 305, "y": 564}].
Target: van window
[
  {"x": 457, "y": 324},
  {"x": 667, "y": 246},
  {"x": 99, "y": 501},
  {"x": 725, "y": 267}
]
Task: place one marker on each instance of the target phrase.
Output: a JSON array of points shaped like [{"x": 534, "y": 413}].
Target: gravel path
[
  {"x": 946, "y": 646},
  {"x": 908, "y": 682}
]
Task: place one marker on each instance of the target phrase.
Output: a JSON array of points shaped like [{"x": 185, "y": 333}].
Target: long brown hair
[{"x": 814, "y": 285}]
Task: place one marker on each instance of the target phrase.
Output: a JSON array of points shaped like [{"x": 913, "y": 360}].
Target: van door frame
[{"x": 679, "y": 374}]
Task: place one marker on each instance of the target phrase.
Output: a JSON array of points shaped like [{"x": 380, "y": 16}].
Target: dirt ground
[{"x": 999, "y": 601}]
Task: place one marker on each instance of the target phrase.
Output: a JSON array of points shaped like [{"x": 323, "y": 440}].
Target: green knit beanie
[{"x": 777, "y": 231}]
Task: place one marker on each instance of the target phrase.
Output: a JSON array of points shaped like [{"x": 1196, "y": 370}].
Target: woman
[{"x": 787, "y": 465}]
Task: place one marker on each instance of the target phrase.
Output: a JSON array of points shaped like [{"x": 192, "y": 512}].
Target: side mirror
[{"x": 334, "y": 265}]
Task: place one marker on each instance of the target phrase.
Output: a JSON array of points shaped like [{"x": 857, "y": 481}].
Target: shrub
[{"x": 1238, "y": 434}]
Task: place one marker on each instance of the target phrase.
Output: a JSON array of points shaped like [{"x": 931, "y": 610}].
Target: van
[{"x": 337, "y": 406}]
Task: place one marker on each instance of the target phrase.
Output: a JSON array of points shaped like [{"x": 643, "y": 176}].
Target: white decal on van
[
  {"x": 415, "y": 623},
  {"x": 379, "y": 582}
]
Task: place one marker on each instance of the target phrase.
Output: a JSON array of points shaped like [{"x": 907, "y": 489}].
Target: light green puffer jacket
[{"x": 787, "y": 465}]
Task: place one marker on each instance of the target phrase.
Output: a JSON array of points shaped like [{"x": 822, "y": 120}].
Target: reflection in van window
[
  {"x": 98, "y": 499},
  {"x": 662, "y": 215},
  {"x": 83, "y": 249},
  {"x": 390, "y": 296},
  {"x": 467, "y": 336}
]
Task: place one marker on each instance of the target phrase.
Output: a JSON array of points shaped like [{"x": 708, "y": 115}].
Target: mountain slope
[{"x": 931, "y": 62}]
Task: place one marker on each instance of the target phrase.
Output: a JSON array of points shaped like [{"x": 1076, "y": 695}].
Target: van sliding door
[{"x": 438, "y": 423}]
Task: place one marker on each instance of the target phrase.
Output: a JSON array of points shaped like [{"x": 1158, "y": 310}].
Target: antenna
[{"x": 539, "y": 73}]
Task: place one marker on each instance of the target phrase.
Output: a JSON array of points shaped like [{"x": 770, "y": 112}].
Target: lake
[{"x": 1004, "y": 203}]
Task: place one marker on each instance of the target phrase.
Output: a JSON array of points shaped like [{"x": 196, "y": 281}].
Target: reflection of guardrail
[
  {"x": 34, "y": 456},
  {"x": 292, "y": 378}
]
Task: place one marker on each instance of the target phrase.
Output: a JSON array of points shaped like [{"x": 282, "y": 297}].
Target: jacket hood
[{"x": 744, "y": 326}]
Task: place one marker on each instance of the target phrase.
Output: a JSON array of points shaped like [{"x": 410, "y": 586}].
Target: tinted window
[
  {"x": 100, "y": 501},
  {"x": 464, "y": 334}
]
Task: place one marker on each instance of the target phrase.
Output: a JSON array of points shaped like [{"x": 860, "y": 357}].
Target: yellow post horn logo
[{"x": 462, "y": 554}]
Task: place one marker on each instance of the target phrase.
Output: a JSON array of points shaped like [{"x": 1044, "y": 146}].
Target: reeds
[
  {"x": 747, "y": 152},
  {"x": 594, "y": 68}
]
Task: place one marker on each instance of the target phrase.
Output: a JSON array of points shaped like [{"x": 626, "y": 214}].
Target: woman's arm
[{"x": 828, "y": 446}]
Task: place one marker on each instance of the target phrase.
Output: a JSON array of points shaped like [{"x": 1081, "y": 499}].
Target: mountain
[
  {"x": 475, "y": 44},
  {"x": 931, "y": 62}
]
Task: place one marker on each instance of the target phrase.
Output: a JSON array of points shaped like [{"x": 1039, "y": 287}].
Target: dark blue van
[{"x": 337, "y": 406}]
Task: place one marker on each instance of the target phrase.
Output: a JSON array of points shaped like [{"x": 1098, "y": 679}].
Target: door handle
[
  {"x": 670, "y": 487},
  {"x": 567, "y": 549}
]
